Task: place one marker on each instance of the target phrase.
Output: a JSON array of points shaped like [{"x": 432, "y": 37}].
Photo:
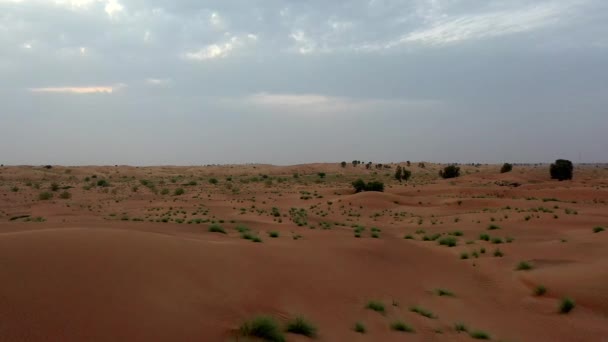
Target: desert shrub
[
  {"x": 360, "y": 328},
  {"x": 14, "y": 189},
  {"x": 540, "y": 290},
  {"x": 400, "y": 326},
  {"x": 498, "y": 253},
  {"x": 179, "y": 192},
  {"x": 343, "y": 164},
  {"x": 523, "y": 266},
  {"x": 213, "y": 181},
  {"x": 448, "y": 241},
  {"x": 484, "y": 237},
  {"x": 321, "y": 174},
  {"x": 164, "y": 191},
  {"x": 444, "y": 292},
  {"x": 264, "y": 328},
  {"x": 506, "y": 167},
  {"x": 566, "y": 305},
  {"x": 216, "y": 228},
  {"x": 360, "y": 186},
  {"x": 561, "y": 170},
  {"x": 54, "y": 186},
  {"x": 103, "y": 183},
  {"x": 493, "y": 227},
  {"x": 422, "y": 312},
  {"x": 45, "y": 196},
  {"x": 301, "y": 326},
  {"x": 376, "y": 306},
  {"x": 598, "y": 229},
  {"x": 450, "y": 171},
  {"x": 480, "y": 335},
  {"x": 460, "y": 327},
  {"x": 273, "y": 234},
  {"x": 65, "y": 195}
]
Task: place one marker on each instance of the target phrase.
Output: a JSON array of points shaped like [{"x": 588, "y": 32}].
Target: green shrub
[
  {"x": 422, "y": 312},
  {"x": 561, "y": 170},
  {"x": 493, "y": 227},
  {"x": 65, "y": 195},
  {"x": 54, "y": 186},
  {"x": 301, "y": 326},
  {"x": 498, "y": 253},
  {"x": 566, "y": 305},
  {"x": 506, "y": 167},
  {"x": 450, "y": 171},
  {"x": 448, "y": 241},
  {"x": 213, "y": 181},
  {"x": 103, "y": 183},
  {"x": 264, "y": 328},
  {"x": 376, "y": 306},
  {"x": 179, "y": 192},
  {"x": 444, "y": 292},
  {"x": 360, "y": 186},
  {"x": 45, "y": 196},
  {"x": 360, "y": 328},
  {"x": 460, "y": 327},
  {"x": 598, "y": 229},
  {"x": 164, "y": 191},
  {"x": 540, "y": 290},
  {"x": 480, "y": 335},
  {"x": 523, "y": 266},
  {"x": 484, "y": 237},
  {"x": 216, "y": 228},
  {"x": 273, "y": 234},
  {"x": 400, "y": 326}
]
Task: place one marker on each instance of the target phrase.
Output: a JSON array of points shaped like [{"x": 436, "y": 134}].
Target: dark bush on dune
[
  {"x": 506, "y": 167},
  {"x": 450, "y": 171},
  {"x": 361, "y": 186},
  {"x": 562, "y": 170}
]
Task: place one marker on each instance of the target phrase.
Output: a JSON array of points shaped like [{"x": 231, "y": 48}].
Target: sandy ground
[{"x": 133, "y": 261}]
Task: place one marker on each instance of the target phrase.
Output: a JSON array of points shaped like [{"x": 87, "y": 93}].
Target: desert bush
[
  {"x": 523, "y": 266},
  {"x": 216, "y": 228},
  {"x": 460, "y": 327},
  {"x": 360, "y": 328},
  {"x": 376, "y": 306},
  {"x": 103, "y": 183},
  {"x": 321, "y": 175},
  {"x": 273, "y": 234},
  {"x": 540, "y": 290},
  {"x": 448, "y": 241},
  {"x": 480, "y": 335},
  {"x": 360, "y": 186},
  {"x": 45, "y": 196},
  {"x": 506, "y": 167},
  {"x": 450, "y": 171},
  {"x": 400, "y": 326},
  {"x": 301, "y": 326},
  {"x": 54, "y": 186},
  {"x": 213, "y": 181},
  {"x": 566, "y": 305},
  {"x": 422, "y": 312},
  {"x": 444, "y": 292},
  {"x": 561, "y": 170},
  {"x": 264, "y": 328},
  {"x": 598, "y": 229},
  {"x": 179, "y": 192},
  {"x": 343, "y": 164},
  {"x": 65, "y": 195}
]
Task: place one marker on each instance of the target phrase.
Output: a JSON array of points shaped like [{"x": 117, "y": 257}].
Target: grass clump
[
  {"x": 480, "y": 335},
  {"x": 449, "y": 241},
  {"x": 179, "y": 192},
  {"x": 376, "y": 306},
  {"x": 216, "y": 228},
  {"x": 444, "y": 293},
  {"x": 498, "y": 253},
  {"x": 360, "y": 328},
  {"x": 422, "y": 312},
  {"x": 598, "y": 229},
  {"x": 273, "y": 234},
  {"x": 540, "y": 290},
  {"x": 65, "y": 195},
  {"x": 566, "y": 305},
  {"x": 523, "y": 266},
  {"x": 401, "y": 326},
  {"x": 493, "y": 227},
  {"x": 301, "y": 326},
  {"x": 264, "y": 328},
  {"x": 464, "y": 255},
  {"x": 484, "y": 237},
  {"x": 45, "y": 196},
  {"x": 460, "y": 327}
]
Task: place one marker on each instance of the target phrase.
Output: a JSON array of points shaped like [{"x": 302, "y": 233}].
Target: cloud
[
  {"x": 221, "y": 50},
  {"x": 80, "y": 90},
  {"x": 485, "y": 25},
  {"x": 158, "y": 82}
]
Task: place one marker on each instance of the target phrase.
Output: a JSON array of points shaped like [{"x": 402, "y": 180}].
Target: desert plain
[{"x": 121, "y": 253}]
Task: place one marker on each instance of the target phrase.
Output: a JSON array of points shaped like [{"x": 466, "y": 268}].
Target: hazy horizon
[{"x": 283, "y": 82}]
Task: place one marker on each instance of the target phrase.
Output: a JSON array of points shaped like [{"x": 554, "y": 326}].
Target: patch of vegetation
[
  {"x": 360, "y": 328},
  {"x": 360, "y": 186},
  {"x": 480, "y": 335},
  {"x": 566, "y": 305},
  {"x": 493, "y": 227},
  {"x": 422, "y": 312},
  {"x": 103, "y": 183},
  {"x": 540, "y": 290},
  {"x": 65, "y": 195},
  {"x": 460, "y": 327},
  {"x": 506, "y": 167},
  {"x": 401, "y": 326},
  {"x": 448, "y": 241},
  {"x": 561, "y": 170},
  {"x": 498, "y": 253},
  {"x": 523, "y": 266},
  {"x": 376, "y": 306},
  {"x": 444, "y": 293},
  {"x": 598, "y": 229},
  {"x": 179, "y": 192},
  {"x": 264, "y": 328},
  {"x": 484, "y": 237},
  {"x": 301, "y": 326},
  {"x": 273, "y": 234},
  {"x": 216, "y": 228},
  {"x": 45, "y": 196},
  {"x": 450, "y": 171}
]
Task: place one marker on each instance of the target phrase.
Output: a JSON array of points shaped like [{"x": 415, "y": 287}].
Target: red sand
[{"x": 89, "y": 272}]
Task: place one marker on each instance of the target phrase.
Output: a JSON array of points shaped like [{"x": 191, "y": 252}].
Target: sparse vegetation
[
  {"x": 444, "y": 293},
  {"x": 480, "y": 335},
  {"x": 448, "y": 241},
  {"x": 422, "y": 312},
  {"x": 540, "y": 290},
  {"x": 598, "y": 229},
  {"x": 523, "y": 266},
  {"x": 179, "y": 192},
  {"x": 301, "y": 326},
  {"x": 45, "y": 196},
  {"x": 264, "y": 328},
  {"x": 566, "y": 305},
  {"x": 401, "y": 326},
  {"x": 361, "y": 186},
  {"x": 216, "y": 228},
  {"x": 450, "y": 171},
  {"x": 360, "y": 328},
  {"x": 506, "y": 167},
  {"x": 376, "y": 306}
]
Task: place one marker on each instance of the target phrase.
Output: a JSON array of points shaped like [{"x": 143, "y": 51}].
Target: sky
[{"x": 192, "y": 82}]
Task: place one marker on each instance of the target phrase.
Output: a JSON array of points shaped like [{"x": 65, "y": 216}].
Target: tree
[
  {"x": 398, "y": 175},
  {"x": 406, "y": 174},
  {"x": 321, "y": 174},
  {"x": 368, "y": 165},
  {"x": 343, "y": 164},
  {"x": 450, "y": 171},
  {"x": 561, "y": 170},
  {"x": 421, "y": 165},
  {"x": 355, "y": 162},
  {"x": 360, "y": 186},
  {"x": 506, "y": 167},
  {"x": 409, "y": 163}
]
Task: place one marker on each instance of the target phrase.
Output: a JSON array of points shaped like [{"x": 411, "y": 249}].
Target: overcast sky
[{"x": 150, "y": 82}]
